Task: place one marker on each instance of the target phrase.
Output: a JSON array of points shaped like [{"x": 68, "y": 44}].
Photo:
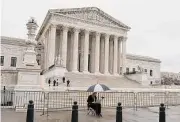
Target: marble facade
[{"x": 95, "y": 42}]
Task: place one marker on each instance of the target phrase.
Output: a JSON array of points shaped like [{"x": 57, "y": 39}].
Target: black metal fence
[{"x": 64, "y": 100}]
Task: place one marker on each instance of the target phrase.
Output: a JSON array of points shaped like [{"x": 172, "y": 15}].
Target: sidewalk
[{"x": 109, "y": 115}]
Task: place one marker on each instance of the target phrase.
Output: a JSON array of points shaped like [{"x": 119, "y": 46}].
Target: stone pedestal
[
  {"x": 30, "y": 57},
  {"x": 28, "y": 79},
  {"x": 28, "y": 88}
]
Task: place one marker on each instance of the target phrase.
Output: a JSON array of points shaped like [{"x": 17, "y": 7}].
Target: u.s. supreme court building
[{"x": 86, "y": 46}]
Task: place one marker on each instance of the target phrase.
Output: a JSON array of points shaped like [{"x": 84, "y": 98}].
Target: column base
[
  {"x": 107, "y": 73},
  {"x": 75, "y": 71},
  {"x": 115, "y": 74},
  {"x": 97, "y": 73},
  {"x": 86, "y": 72}
]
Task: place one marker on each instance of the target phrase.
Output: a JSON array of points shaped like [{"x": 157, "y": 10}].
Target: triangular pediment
[{"x": 91, "y": 14}]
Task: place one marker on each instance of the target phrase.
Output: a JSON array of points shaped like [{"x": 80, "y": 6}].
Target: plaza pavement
[{"x": 109, "y": 115}]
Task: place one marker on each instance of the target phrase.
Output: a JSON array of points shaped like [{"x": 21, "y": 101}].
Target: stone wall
[
  {"x": 148, "y": 65},
  {"x": 8, "y": 51},
  {"x": 9, "y": 78}
]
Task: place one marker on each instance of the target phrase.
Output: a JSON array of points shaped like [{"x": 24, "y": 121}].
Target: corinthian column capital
[
  {"x": 77, "y": 30},
  {"x": 124, "y": 38},
  {"x": 115, "y": 37},
  {"x": 98, "y": 34},
  {"x": 53, "y": 26},
  {"x": 65, "y": 28},
  {"x": 106, "y": 35},
  {"x": 86, "y": 31}
]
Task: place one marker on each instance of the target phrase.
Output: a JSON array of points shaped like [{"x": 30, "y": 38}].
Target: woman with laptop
[{"x": 92, "y": 103}]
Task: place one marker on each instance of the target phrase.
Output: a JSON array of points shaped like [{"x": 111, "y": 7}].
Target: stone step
[{"x": 86, "y": 80}]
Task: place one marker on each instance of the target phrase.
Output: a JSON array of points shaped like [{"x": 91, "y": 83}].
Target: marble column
[
  {"x": 124, "y": 54},
  {"x": 86, "y": 51},
  {"x": 115, "y": 55},
  {"x": 101, "y": 68},
  {"x": 111, "y": 56},
  {"x": 92, "y": 55},
  {"x": 75, "y": 50},
  {"x": 81, "y": 52},
  {"x": 60, "y": 42},
  {"x": 106, "y": 54},
  {"x": 97, "y": 50},
  {"x": 48, "y": 47},
  {"x": 52, "y": 45},
  {"x": 45, "y": 52},
  {"x": 119, "y": 55},
  {"x": 64, "y": 45}
]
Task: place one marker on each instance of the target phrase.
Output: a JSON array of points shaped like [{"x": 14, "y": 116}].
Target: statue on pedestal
[
  {"x": 29, "y": 72},
  {"x": 30, "y": 54},
  {"x": 59, "y": 61}
]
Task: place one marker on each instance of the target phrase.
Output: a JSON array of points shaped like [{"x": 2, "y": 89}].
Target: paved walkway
[{"x": 129, "y": 115}]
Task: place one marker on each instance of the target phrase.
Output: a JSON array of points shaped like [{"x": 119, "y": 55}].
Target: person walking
[
  {"x": 49, "y": 82},
  {"x": 63, "y": 79},
  {"x": 68, "y": 83},
  {"x": 54, "y": 83}
]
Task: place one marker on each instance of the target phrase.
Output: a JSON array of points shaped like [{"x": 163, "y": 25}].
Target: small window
[
  {"x": 2, "y": 60},
  {"x": 151, "y": 73},
  {"x": 127, "y": 70},
  {"x": 145, "y": 70},
  {"x": 13, "y": 61},
  {"x": 134, "y": 69}
]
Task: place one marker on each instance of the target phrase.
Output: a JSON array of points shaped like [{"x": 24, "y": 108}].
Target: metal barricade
[
  {"x": 64, "y": 100},
  {"x": 21, "y": 99},
  {"x": 150, "y": 99},
  {"x": 57, "y": 100},
  {"x": 173, "y": 98},
  {"x": 112, "y": 98},
  {"x": 7, "y": 98}
]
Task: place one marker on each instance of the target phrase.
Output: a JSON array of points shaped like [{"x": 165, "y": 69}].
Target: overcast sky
[{"x": 155, "y": 23}]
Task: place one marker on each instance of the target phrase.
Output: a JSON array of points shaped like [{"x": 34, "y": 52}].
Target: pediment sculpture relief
[
  {"x": 59, "y": 61},
  {"x": 93, "y": 16}
]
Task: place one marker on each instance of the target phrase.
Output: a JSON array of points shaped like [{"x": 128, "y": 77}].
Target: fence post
[
  {"x": 4, "y": 91},
  {"x": 162, "y": 114},
  {"x": 30, "y": 112},
  {"x": 74, "y": 117},
  {"x": 119, "y": 113},
  {"x": 135, "y": 101}
]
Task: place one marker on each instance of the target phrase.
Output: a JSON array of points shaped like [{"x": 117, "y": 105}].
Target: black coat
[{"x": 91, "y": 99}]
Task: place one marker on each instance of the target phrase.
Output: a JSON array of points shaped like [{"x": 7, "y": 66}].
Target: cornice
[
  {"x": 9, "y": 71},
  {"x": 48, "y": 15},
  {"x": 13, "y": 41},
  {"x": 142, "y": 58}
]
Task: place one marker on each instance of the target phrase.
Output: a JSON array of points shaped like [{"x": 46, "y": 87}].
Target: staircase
[
  {"x": 125, "y": 76},
  {"x": 86, "y": 80}
]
